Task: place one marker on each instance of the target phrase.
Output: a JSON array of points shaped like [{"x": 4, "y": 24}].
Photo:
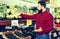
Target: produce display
[
  {"x": 13, "y": 11},
  {"x": 2, "y": 11},
  {"x": 11, "y": 36},
  {"x": 26, "y": 32},
  {"x": 19, "y": 34},
  {"x": 57, "y": 12},
  {"x": 29, "y": 31}
]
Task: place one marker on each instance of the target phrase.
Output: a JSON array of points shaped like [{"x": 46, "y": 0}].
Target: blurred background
[{"x": 11, "y": 21}]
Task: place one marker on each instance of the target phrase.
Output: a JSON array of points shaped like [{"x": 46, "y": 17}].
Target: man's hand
[
  {"x": 17, "y": 15},
  {"x": 38, "y": 30}
]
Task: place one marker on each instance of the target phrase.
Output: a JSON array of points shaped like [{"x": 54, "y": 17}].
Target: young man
[{"x": 44, "y": 21}]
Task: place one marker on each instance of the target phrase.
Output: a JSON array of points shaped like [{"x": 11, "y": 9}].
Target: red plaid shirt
[{"x": 43, "y": 20}]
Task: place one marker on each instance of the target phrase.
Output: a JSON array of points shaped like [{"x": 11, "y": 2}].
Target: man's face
[{"x": 39, "y": 7}]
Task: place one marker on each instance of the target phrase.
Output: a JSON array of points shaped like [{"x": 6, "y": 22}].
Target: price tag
[
  {"x": 29, "y": 22},
  {"x": 54, "y": 35},
  {"x": 14, "y": 23}
]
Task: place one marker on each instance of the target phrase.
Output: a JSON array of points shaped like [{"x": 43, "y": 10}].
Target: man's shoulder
[{"x": 48, "y": 13}]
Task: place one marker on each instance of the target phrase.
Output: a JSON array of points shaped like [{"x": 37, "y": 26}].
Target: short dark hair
[{"x": 42, "y": 3}]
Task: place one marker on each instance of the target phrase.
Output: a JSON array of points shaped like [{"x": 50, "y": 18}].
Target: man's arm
[
  {"x": 28, "y": 16},
  {"x": 38, "y": 30}
]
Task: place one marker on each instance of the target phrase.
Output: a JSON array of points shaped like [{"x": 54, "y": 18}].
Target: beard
[{"x": 39, "y": 11}]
